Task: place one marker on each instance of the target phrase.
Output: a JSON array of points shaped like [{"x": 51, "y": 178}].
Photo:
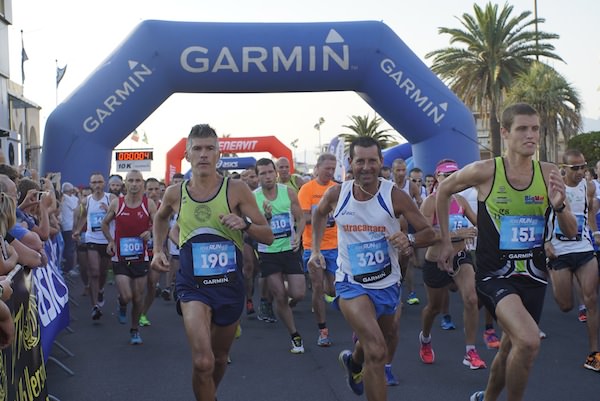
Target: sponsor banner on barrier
[
  {"x": 22, "y": 370},
  {"x": 52, "y": 298}
]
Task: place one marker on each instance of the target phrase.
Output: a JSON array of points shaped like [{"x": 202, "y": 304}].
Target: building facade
[{"x": 20, "y": 142}]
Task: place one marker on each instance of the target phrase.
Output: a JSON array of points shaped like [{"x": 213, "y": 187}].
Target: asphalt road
[{"x": 107, "y": 368}]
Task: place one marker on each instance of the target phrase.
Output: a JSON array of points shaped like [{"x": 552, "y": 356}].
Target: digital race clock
[{"x": 133, "y": 155}]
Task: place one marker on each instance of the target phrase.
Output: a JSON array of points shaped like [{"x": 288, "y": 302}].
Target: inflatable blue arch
[{"x": 160, "y": 58}]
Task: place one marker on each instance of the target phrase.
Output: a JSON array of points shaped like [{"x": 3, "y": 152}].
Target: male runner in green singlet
[
  {"x": 213, "y": 213},
  {"x": 515, "y": 194}
]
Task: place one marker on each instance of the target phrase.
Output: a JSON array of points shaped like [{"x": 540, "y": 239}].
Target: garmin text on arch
[
  {"x": 119, "y": 96},
  {"x": 198, "y": 59}
]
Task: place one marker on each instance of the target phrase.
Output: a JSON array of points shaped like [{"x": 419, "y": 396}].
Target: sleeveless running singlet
[
  {"x": 582, "y": 242},
  {"x": 365, "y": 256},
  {"x": 95, "y": 215},
  {"x": 513, "y": 225},
  {"x": 282, "y": 222},
  {"x": 130, "y": 223},
  {"x": 210, "y": 253}
]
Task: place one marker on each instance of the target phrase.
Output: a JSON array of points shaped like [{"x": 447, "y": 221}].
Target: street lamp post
[{"x": 318, "y": 128}]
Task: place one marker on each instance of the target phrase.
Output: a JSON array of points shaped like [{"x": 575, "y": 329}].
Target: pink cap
[{"x": 446, "y": 167}]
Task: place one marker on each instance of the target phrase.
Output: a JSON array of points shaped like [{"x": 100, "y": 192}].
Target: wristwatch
[
  {"x": 248, "y": 223},
  {"x": 411, "y": 239},
  {"x": 560, "y": 208}
]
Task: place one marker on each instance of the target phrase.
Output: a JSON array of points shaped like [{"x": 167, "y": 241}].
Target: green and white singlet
[
  {"x": 282, "y": 221},
  {"x": 513, "y": 225}
]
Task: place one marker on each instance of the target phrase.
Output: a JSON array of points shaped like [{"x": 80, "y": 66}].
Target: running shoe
[
  {"x": 101, "y": 298},
  {"x": 166, "y": 294},
  {"x": 389, "y": 376},
  {"x": 447, "y": 323},
  {"x": 354, "y": 380},
  {"x": 270, "y": 313},
  {"x": 96, "y": 312},
  {"x": 135, "y": 338},
  {"x": 297, "y": 345},
  {"x": 238, "y": 331},
  {"x": 249, "y": 307},
  {"x": 582, "y": 316},
  {"x": 412, "y": 299},
  {"x": 144, "y": 321},
  {"x": 263, "y": 311},
  {"x": 490, "y": 339},
  {"x": 426, "y": 352},
  {"x": 122, "y": 314},
  {"x": 323, "y": 340},
  {"x": 543, "y": 335},
  {"x": 473, "y": 361},
  {"x": 328, "y": 298},
  {"x": 592, "y": 362},
  {"x": 477, "y": 396}
]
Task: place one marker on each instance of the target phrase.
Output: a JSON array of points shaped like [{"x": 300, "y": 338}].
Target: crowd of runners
[{"x": 495, "y": 231}]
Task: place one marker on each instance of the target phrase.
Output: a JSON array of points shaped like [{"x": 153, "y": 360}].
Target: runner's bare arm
[
  {"x": 260, "y": 229},
  {"x": 298, "y": 218},
  {"x": 477, "y": 174},
  {"x": 405, "y": 206},
  {"x": 81, "y": 221},
  {"x": 428, "y": 211},
  {"x": 415, "y": 190},
  {"x": 557, "y": 199},
  {"x": 591, "y": 196},
  {"x": 320, "y": 213},
  {"x": 110, "y": 215},
  {"x": 160, "y": 222}
]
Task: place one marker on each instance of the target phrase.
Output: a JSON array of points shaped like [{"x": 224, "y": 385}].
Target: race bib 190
[{"x": 213, "y": 258}]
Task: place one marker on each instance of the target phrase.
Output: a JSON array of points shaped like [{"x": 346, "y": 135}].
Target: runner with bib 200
[{"x": 132, "y": 214}]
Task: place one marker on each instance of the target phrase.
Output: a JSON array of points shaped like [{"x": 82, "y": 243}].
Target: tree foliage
[
  {"x": 556, "y": 101},
  {"x": 493, "y": 48},
  {"x": 589, "y": 144},
  {"x": 363, "y": 126}
]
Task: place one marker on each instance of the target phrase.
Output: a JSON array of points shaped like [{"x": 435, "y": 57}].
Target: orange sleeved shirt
[{"x": 309, "y": 197}]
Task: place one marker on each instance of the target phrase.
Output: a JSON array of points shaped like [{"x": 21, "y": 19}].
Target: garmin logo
[
  {"x": 118, "y": 97},
  {"x": 198, "y": 59},
  {"x": 433, "y": 111}
]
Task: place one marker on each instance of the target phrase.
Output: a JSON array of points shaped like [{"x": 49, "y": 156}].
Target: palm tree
[
  {"x": 495, "y": 48},
  {"x": 363, "y": 126},
  {"x": 556, "y": 101}
]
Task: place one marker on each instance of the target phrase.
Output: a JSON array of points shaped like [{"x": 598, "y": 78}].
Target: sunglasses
[
  {"x": 445, "y": 175},
  {"x": 416, "y": 180},
  {"x": 576, "y": 167}
]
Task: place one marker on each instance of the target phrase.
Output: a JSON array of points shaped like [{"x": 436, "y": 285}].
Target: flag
[
  {"x": 24, "y": 58},
  {"x": 60, "y": 73},
  {"x": 145, "y": 138},
  {"x": 135, "y": 136}
]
